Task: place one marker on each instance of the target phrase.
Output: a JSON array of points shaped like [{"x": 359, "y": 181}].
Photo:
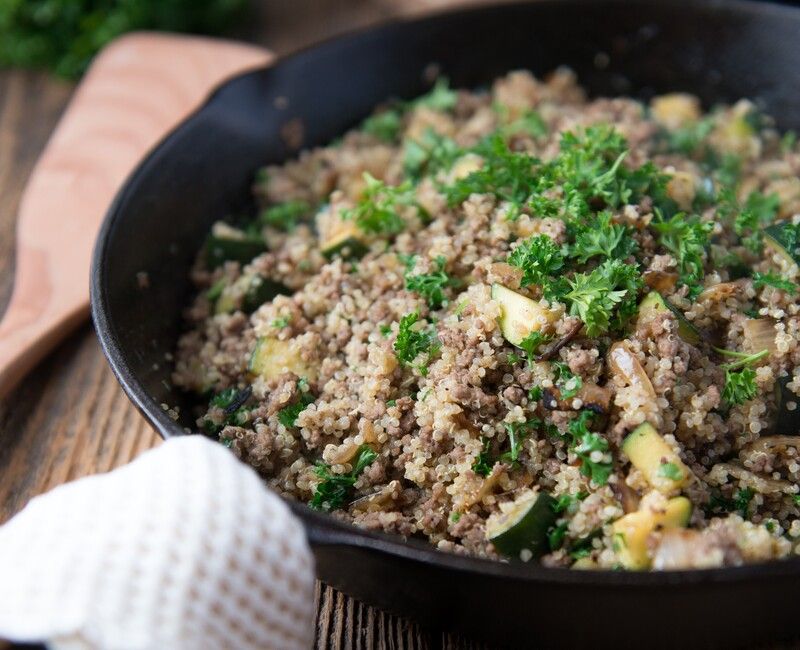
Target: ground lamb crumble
[{"x": 436, "y": 426}]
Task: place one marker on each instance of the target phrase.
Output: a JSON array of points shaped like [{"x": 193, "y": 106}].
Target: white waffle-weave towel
[{"x": 183, "y": 548}]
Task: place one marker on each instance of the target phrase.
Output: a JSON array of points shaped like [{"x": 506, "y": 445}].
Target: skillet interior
[{"x": 719, "y": 51}]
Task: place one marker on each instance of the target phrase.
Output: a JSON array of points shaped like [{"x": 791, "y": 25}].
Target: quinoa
[{"x": 478, "y": 301}]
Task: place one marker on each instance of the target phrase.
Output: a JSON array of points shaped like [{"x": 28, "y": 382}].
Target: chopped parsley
[
  {"x": 232, "y": 402},
  {"x": 483, "y": 462},
  {"x": 568, "y": 383},
  {"x": 440, "y": 98},
  {"x": 281, "y": 322},
  {"x": 412, "y": 342},
  {"x": 590, "y": 448},
  {"x": 670, "y": 471},
  {"x": 758, "y": 211},
  {"x": 431, "y": 285},
  {"x": 384, "y": 125},
  {"x": 333, "y": 491},
  {"x": 385, "y": 330},
  {"x": 600, "y": 237},
  {"x": 531, "y": 344},
  {"x": 539, "y": 257},
  {"x": 690, "y": 138},
  {"x": 377, "y": 211},
  {"x": 287, "y": 416},
  {"x": 687, "y": 238},
  {"x": 761, "y": 280},
  {"x": 740, "y": 378},
  {"x": 506, "y": 174},
  {"x": 285, "y": 216},
  {"x": 535, "y": 394},
  {"x": 517, "y": 432},
  {"x": 430, "y": 154},
  {"x": 605, "y": 297}
]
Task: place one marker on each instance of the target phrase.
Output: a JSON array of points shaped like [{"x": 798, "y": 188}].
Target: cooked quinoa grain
[{"x": 521, "y": 324}]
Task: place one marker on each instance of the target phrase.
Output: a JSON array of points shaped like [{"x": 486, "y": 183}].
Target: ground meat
[{"x": 435, "y": 402}]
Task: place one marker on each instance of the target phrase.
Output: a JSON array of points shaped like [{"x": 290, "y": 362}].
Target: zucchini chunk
[
  {"x": 248, "y": 293},
  {"x": 520, "y": 315},
  {"x": 272, "y": 357},
  {"x": 630, "y": 532},
  {"x": 226, "y": 243},
  {"x": 781, "y": 239},
  {"x": 652, "y": 456},
  {"x": 344, "y": 240},
  {"x": 524, "y": 527},
  {"x": 655, "y": 303}
]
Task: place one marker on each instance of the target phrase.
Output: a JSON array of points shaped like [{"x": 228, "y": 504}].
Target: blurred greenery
[{"x": 64, "y": 35}]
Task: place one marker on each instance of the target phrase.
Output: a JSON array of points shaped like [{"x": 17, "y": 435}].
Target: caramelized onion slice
[{"x": 624, "y": 364}]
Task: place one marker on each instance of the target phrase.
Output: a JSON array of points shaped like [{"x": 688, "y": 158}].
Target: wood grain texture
[
  {"x": 138, "y": 88},
  {"x": 69, "y": 418}
]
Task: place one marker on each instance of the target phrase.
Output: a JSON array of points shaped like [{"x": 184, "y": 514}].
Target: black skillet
[{"x": 720, "y": 51}]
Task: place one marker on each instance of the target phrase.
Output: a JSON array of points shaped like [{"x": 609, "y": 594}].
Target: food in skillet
[{"x": 521, "y": 324}]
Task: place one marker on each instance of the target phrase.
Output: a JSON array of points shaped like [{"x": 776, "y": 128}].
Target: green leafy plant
[
  {"x": 64, "y": 35},
  {"x": 333, "y": 491}
]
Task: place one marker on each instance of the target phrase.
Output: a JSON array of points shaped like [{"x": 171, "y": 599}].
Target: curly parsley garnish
[
  {"x": 591, "y": 448},
  {"x": 687, "y": 238},
  {"x": 378, "y": 209},
  {"x": 412, "y": 342},
  {"x": 287, "y": 416},
  {"x": 740, "y": 378},
  {"x": 600, "y": 237},
  {"x": 431, "y": 285},
  {"x": 334, "y": 490},
  {"x": 539, "y": 257},
  {"x": 285, "y": 216},
  {"x": 531, "y": 344},
  {"x": 761, "y": 280},
  {"x": 605, "y": 297}
]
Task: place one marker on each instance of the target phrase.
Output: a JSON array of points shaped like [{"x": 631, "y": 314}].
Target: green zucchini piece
[
  {"x": 654, "y": 303},
  {"x": 520, "y": 315},
  {"x": 655, "y": 459},
  {"x": 346, "y": 241},
  {"x": 272, "y": 357},
  {"x": 782, "y": 238},
  {"x": 226, "y": 243},
  {"x": 786, "y": 422},
  {"x": 524, "y": 527},
  {"x": 248, "y": 293},
  {"x": 631, "y": 532},
  {"x": 262, "y": 290}
]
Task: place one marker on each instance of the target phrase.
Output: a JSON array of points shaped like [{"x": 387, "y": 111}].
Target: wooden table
[{"x": 70, "y": 418}]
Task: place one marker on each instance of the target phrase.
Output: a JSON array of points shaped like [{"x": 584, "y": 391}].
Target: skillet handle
[{"x": 138, "y": 88}]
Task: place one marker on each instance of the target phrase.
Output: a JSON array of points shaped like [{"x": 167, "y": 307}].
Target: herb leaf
[
  {"x": 430, "y": 286},
  {"x": 539, "y": 257},
  {"x": 761, "y": 280},
  {"x": 334, "y": 490},
  {"x": 411, "y": 342}
]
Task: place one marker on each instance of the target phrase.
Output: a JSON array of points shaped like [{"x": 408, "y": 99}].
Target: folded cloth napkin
[{"x": 183, "y": 548}]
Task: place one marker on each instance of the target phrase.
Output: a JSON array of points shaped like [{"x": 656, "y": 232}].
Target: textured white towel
[{"x": 183, "y": 548}]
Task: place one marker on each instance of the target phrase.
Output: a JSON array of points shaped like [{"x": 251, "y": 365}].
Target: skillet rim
[{"x": 323, "y": 530}]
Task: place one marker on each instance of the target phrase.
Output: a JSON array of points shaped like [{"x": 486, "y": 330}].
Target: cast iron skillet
[{"x": 720, "y": 51}]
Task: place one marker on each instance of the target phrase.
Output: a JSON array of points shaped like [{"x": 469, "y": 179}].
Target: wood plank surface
[{"x": 69, "y": 418}]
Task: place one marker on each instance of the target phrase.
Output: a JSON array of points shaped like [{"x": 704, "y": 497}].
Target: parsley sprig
[
  {"x": 588, "y": 446},
  {"x": 540, "y": 258},
  {"x": 774, "y": 280},
  {"x": 334, "y": 490},
  {"x": 412, "y": 342},
  {"x": 377, "y": 211},
  {"x": 740, "y": 378},
  {"x": 601, "y": 237},
  {"x": 287, "y": 416},
  {"x": 605, "y": 297},
  {"x": 687, "y": 238},
  {"x": 430, "y": 286}
]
